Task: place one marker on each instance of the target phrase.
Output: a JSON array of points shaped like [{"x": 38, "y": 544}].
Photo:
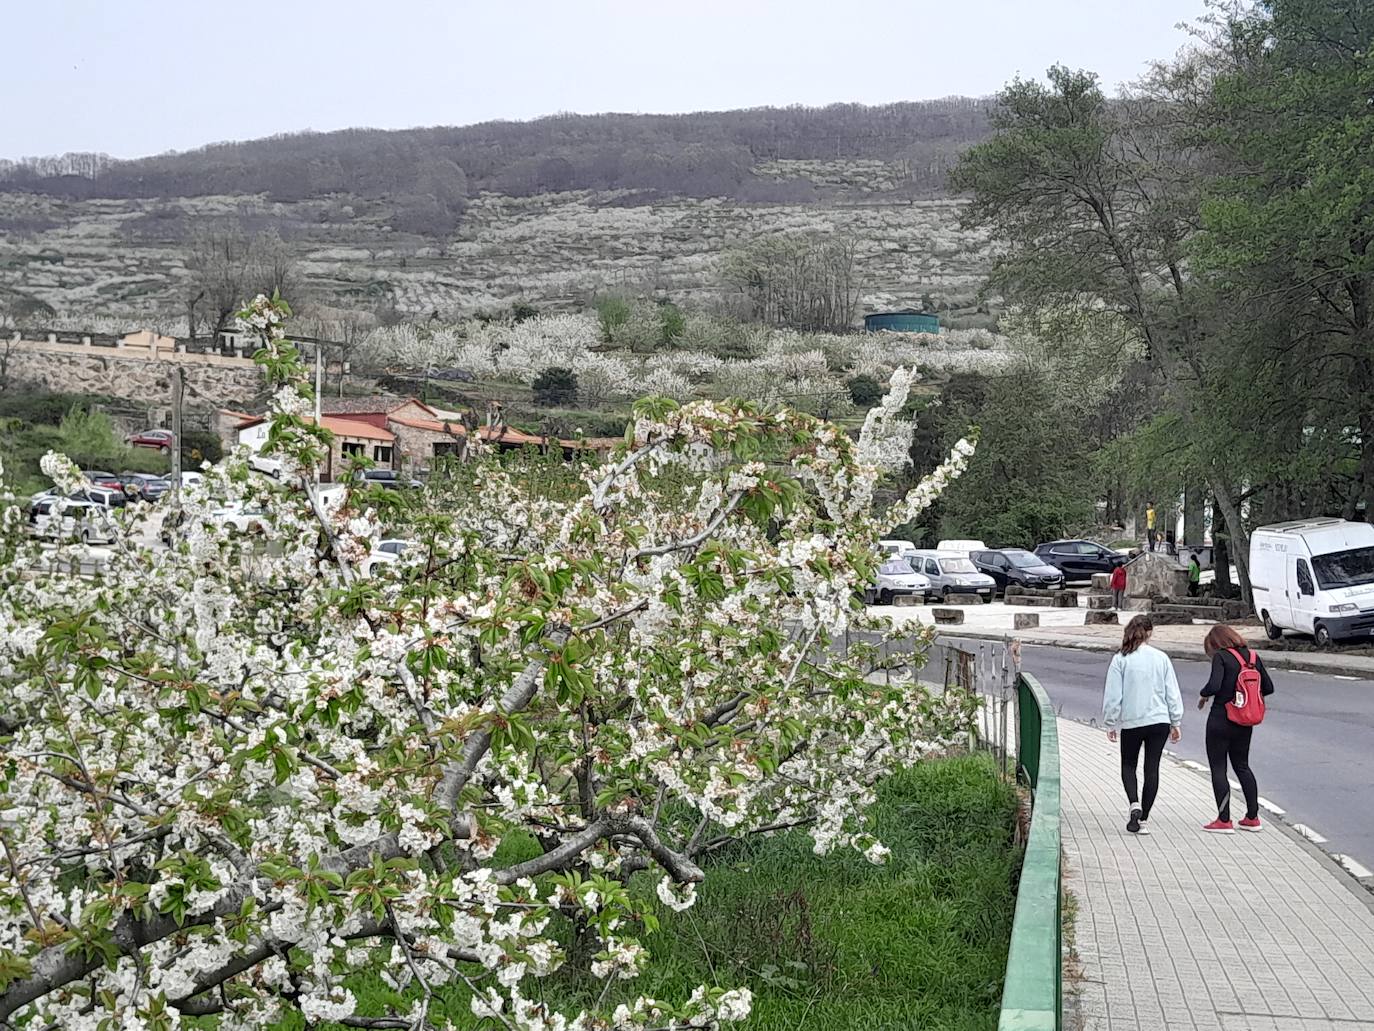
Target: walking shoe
[
  {"x": 1219, "y": 827},
  {"x": 1144, "y": 826},
  {"x": 1254, "y": 826},
  {"x": 1133, "y": 824}
]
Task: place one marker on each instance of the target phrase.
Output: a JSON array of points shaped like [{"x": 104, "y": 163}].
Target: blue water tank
[{"x": 909, "y": 320}]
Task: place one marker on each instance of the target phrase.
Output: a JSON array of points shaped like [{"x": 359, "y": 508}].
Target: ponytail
[{"x": 1138, "y": 631}]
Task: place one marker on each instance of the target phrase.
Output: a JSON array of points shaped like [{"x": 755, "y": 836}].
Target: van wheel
[
  {"x": 1270, "y": 630},
  {"x": 1321, "y": 636},
  {"x": 885, "y": 598}
]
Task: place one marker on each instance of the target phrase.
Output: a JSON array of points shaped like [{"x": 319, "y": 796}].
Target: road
[{"x": 1313, "y": 756}]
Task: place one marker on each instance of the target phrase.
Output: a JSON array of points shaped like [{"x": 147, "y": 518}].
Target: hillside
[{"x": 461, "y": 219}]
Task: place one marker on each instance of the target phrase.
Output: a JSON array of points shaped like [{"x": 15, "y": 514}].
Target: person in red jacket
[{"x": 1118, "y": 585}]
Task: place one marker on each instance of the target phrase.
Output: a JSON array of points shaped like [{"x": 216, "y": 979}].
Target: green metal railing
[{"x": 1032, "y": 998}]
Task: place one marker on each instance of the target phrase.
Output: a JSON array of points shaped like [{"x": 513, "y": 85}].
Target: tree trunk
[{"x": 1238, "y": 539}]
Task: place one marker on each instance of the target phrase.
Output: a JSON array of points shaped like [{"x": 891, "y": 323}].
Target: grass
[{"x": 833, "y": 942}]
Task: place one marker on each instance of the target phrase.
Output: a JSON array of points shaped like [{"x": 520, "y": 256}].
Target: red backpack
[{"x": 1247, "y": 709}]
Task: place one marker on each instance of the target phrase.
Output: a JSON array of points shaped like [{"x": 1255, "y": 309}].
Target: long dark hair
[
  {"x": 1138, "y": 631},
  {"x": 1220, "y": 638}
]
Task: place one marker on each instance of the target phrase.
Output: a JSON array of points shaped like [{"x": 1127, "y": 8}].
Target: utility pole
[
  {"x": 178, "y": 389},
  {"x": 318, "y": 387}
]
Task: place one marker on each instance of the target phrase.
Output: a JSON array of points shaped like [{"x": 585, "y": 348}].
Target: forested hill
[{"x": 756, "y": 155}]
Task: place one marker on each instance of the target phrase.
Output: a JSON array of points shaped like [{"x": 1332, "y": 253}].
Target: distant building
[{"x": 908, "y": 320}]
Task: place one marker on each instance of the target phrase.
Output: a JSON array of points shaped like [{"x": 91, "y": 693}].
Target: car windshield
[
  {"x": 957, "y": 565},
  {"x": 897, "y": 567},
  {"x": 1023, "y": 559},
  {"x": 1344, "y": 568}
]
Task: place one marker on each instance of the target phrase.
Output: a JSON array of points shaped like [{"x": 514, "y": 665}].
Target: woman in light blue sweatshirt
[{"x": 1141, "y": 705}]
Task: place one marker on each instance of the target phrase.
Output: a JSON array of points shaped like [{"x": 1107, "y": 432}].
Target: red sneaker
[
  {"x": 1220, "y": 827},
  {"x": 1254, "y": 826}
]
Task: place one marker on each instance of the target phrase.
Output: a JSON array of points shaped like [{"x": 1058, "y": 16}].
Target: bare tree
[
  {"x": 803, "y": 280},
  {"x": 229, "y": 268}
]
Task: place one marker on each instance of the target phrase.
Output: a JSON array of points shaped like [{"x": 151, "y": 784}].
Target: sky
[{"x": 137, "y": 77}]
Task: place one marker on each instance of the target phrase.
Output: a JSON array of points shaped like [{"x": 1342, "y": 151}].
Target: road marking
[
  {"x": 1308, "y": 833},
  {"x": 1304, "y": 672},
  {"x": 1271, "y": 806},
  {"x": 1355, "y": 868},
  {"x": 1193, "y": 765},
  {"x": 1342, "y": 676}
]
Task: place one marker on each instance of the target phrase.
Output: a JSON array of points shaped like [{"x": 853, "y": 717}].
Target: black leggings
[
  {"x": 1154, "y": 738},
  {"x": 1227, "y": 740}
]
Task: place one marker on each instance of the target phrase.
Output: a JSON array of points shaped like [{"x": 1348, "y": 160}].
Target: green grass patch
[{"x": 831, "y": 942}]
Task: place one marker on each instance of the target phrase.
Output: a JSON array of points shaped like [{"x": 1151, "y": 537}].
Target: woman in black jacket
[{"x": 1225, "y": 738}]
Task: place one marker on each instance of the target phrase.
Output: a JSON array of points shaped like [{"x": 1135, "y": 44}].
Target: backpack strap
[{"x": 1244, "y": 662}]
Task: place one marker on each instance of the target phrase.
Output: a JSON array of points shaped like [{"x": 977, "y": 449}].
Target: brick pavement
[{"x": 1163, "y": 945}]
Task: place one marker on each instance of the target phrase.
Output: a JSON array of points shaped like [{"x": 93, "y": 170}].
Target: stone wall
[
  {"x": 1155, "y": 573},
  {"x": 138, "y": 378}
]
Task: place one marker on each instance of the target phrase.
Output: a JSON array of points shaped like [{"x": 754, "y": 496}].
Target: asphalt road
[{"x": 1313, "y": 756}]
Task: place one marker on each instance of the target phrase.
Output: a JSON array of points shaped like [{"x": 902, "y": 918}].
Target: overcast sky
[{"x": 135, "y": 77}]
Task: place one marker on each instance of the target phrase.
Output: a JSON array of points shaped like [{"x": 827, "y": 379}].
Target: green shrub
[
  {"x": 555, "y": 386},
  {"x": 613, "y": 313},
  {"x": 199, "y": 446},
  {"x": 520, "y": 311},
  {"x": 865, "y": 391},
  {"x": 672, "y": 322}
]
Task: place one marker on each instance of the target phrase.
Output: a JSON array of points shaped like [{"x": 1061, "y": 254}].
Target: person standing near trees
[
  {"x": 1143, "y": 708},
  {"x": 1194, "y": 575},
  {"x": 1150, "y": 525}
]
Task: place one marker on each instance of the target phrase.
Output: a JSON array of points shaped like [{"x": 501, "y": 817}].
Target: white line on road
[
  {"x": 1308, "y": 833},
  {"x": 1193, "y": 764},
  {"x": 1271, "y": 806},
  {"x": 1342, "y": 676},
  {"x": 1354, "y": 867}
]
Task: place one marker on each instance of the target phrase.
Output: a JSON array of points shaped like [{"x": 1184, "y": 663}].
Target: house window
[
  {"x": 381, "y": 453},
  {"x": 352, "y": 448}
]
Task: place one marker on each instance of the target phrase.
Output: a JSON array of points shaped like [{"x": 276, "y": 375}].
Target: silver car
[
  {"x": 952, "y": 573},
  {"x": 895, "y": 578}
]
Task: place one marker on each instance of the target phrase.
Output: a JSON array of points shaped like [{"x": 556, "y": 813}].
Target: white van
[
  {"x": 952, "y": 573},
  {"x": 961, "y": 547},
  {"x": 1315, "y": 576},
  {"x": 896, "y": 548}
]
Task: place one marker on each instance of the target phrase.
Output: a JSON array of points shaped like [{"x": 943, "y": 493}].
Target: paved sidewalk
[{"x": 1163, "y": 944}]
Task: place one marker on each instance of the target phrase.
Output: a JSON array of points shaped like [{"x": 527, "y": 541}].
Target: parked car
[
  {"x": 1016, "y": 566},
  {"x": 895, "y": 547},
  {"x": 103, "y": 479},
  {"x": 895, "y": 578},
  {"x": 145, "y": 486},
  {"x": 1079, "y": 559},
  {"x": 240, "y": 518},
  {"x": 961, "y": 547},
  {"x": 1315, "y": 576},
  {"x": 388, "y": 478},
  {"x": 952, "y": 573},
  {"x": 107, "y": 495},
  {"x": 384, "y": 554},
  {"x": 59, "y": 518},
  {"x": 265, "y": 464},
  {"x": 192, "y": 479},
  {"x": 157, "y": 440}
]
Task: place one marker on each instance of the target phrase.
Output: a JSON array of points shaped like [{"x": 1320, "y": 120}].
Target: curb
[{"x": 1275, "y": 660}]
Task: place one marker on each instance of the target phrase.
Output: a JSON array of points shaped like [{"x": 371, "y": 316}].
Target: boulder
[
  {"x": 1094, "y": 616},
  {"x": 948, "y": 616},
  {"x": 1100, "y": 602},
  {"x": 963, "y": 599},
  {"x": 1025, "y": 620}
]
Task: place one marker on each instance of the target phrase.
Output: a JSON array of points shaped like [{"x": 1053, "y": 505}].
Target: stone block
[
  {"x": 1025, "y": 620},
  {"x": 908, "y": 600},
  {"x": 1102, "y": 581},
  {"x": 1065, "y": 599},
  {"x": 1023, "y": 599},
  {"x": 963, "y": 599},
  {"x": 1093, "y": 616},
  {"x": 1154, "y": 573},
  {"x": 1137, "y": 604},
  {"x": 1015, "y": 591},
  {"x": 1100, "y": 602},
  {"x": 948, "y": 617}
]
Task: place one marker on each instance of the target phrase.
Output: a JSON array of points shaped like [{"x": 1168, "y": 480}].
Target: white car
[
  {"x": 896, "y": 578},
  {"x": 192, "y": 479},
  {"x": 961, "y": 547},
  {"x": 266, "y": 465},
  {"x": 240, "y": 519},
  {"x": 385, "y": 553},
  {"x": 59, "y": 518}
]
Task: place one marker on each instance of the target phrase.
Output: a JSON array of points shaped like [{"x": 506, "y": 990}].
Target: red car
[{"x": 158, "y": 440}]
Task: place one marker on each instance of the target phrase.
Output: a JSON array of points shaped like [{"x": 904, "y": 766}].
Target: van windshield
[
  {"x": 896, "y": 567},
  {"x": 957, "y": 565},
  {"x": 1344, "y": 568}
]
